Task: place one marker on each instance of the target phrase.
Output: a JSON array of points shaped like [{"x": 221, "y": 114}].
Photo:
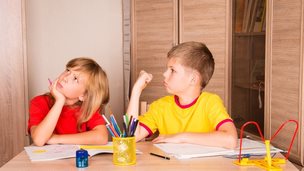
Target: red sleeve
[
  {"x": 95, "y": 120},
  {"x": 39, "y": 108}
]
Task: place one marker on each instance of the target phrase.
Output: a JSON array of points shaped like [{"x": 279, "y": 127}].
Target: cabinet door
[
  {"x": 206, "y": 21},
  {"x": 284, "y": 70},
  {"x": 248, "y": 64},
  {"x": 153, "y": 35},
  {"x": 13, "y": 89}
]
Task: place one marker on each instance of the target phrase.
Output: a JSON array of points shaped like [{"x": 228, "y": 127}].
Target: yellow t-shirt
[{"x": 205, "y": 114}]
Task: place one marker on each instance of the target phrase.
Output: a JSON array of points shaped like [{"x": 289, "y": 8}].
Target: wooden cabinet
[
  {"x": 282, "y": 47},
  {"x": 284, "y": 98},
  {"x": 13, "y": 86},
  {"x": 154, "y": 32},
  {"x": 248, "y": 63},
  {"x": 158, "y": 25}
]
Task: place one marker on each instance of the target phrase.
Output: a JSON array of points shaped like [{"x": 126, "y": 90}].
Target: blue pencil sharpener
[{"x": 82, "y": 158}]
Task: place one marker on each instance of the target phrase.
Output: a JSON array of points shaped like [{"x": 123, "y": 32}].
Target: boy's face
[
  {"x": 71, "y": 83},
  {"x": 177, "y": 77}
]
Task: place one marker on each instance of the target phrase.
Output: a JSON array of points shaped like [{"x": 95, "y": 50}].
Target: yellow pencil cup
[{"x": 124, "y": 151}]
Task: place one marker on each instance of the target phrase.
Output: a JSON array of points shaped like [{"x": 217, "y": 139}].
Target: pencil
[
  {"x": 161, "y": 156},
  {"x": 109, "y": 129},
  {"x": 50, "y": 81},
  {"x": 104, "y": 117},
  {"x": 115, "y": 125},
  {"x": 113, "y": 130}
]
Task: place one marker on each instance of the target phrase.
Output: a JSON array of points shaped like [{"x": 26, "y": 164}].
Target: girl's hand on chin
[{"x": 55, "y": 93}]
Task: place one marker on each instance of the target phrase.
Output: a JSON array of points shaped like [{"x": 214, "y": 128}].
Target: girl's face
[
  {"x": 71, "y": 84},
  {"x": 177, "y": 77}
]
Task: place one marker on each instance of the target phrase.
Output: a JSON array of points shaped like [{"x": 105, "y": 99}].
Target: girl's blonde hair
[{"x": 97, "y": 88}]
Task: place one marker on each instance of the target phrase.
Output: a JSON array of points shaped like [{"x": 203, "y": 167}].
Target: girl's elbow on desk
[
  {"x": 38, "y": 142},
  {"x": 103, "y": 140}
]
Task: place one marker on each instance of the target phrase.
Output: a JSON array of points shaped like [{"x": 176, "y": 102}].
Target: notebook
[
  {"x": 55, "y": 152},
  {"x": 186, "y": 151}
]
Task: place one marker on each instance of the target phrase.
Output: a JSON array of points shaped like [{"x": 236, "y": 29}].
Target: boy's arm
[
  {"x": 133, "y": 107},
  {"x": 225, "y": 136}
]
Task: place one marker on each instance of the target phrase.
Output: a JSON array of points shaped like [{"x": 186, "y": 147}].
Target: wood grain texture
[
  {"x": 157, "y": 27},
  {"x": 153, "y": 34},
  {"x": 145, "y": 162},
  {"x": 206, "y": 21},
  {"x": 13, "y": 87},
  {"x": 285, "y": 72}
]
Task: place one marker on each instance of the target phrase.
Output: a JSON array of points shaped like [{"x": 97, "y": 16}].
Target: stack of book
[{"x": 250, "y": 16}]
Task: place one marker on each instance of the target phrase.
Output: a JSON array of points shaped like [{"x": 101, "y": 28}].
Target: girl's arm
[
  {"x": 97, "y": 135},
  {"x": 133, "y": 107},
  {"x": 41, "y": 133},
  {"x": 225, "y": 136}
]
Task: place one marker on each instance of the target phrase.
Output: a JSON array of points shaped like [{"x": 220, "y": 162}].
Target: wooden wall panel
[
  {"x": 284, "y": 67},
  {"x": 13, "y": 86},
  {"x": 206, "y": 21},
  {"x": 153, "y": 35}
]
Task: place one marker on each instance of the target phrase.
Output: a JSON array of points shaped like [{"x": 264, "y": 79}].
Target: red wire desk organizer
[{"x": 267, "y": 163}]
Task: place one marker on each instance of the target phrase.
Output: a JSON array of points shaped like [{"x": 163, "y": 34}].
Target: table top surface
[{"x": 144, "y": 162}]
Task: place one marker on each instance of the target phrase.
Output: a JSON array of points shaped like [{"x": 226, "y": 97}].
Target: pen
[
  {"x": 133, "y": 128},
  {"x": 237, "y": 156},
  {"x": 157, "y": 155}
]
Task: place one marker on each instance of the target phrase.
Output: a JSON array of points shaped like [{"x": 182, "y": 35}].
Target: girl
[
  {"x": 70, "y": 113},
  {"x": 189, "y": 115}
]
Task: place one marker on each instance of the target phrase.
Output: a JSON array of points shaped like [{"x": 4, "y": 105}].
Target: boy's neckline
[{"x": 176, "y": 99}]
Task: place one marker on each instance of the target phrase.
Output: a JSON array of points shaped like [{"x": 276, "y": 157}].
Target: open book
[
  {"x": 186, "y": 151},
  {"x": 55, "y": 152}
]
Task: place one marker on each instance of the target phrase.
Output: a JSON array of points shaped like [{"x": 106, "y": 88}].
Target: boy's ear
[{"x": 195, "y": 78}]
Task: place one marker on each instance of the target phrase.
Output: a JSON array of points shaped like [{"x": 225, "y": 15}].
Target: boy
[{"x": 189, "y": 115}]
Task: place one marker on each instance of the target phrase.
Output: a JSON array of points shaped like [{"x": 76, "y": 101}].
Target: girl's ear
[{"x": 81, "y": 98}]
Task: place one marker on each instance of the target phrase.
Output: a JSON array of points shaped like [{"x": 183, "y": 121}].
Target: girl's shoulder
[{"x": 42, "y": 99}]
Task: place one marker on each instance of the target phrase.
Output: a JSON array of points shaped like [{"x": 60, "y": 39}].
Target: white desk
[{"x": 145, "y": 162}]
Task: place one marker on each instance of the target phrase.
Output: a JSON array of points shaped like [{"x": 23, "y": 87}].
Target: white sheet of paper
[
  {"x": 186, "y": 151},
  {"x": 55, "y": 152},
  {"x": 51, "y": 152}
]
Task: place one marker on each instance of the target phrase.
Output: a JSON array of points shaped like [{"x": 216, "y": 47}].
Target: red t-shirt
[{"x": 67, "y": 121}]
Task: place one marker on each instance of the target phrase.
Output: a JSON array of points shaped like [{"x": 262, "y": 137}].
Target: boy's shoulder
[
  {"x": 164, "y": 100},
  {"x": 208, "y": 94}
]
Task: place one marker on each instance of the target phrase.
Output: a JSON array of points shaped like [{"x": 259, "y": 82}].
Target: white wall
[{"x": 59, "y": 30}]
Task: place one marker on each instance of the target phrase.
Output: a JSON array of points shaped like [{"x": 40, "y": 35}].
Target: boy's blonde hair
[
  {"x": 97, "y": 87},
  {"x": 197, "y": 56}
]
